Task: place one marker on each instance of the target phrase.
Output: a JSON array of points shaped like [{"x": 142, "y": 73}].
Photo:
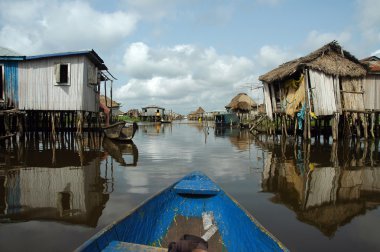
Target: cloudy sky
[{"x": 182, "y": 54}]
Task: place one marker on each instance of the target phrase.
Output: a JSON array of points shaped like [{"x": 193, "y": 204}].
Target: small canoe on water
[
  {"x": 120, "y": 131},
  {"x": 195, "y": 206}
]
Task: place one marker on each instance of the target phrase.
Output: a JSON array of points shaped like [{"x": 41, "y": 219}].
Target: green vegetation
[{"x": 128, "y": 119}]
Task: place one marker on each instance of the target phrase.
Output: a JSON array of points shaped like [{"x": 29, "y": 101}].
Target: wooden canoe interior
[
  {"x": 194, "y": 226},
  {"x": 182, "y": 225},
  {"x": 131, "y": 247}
]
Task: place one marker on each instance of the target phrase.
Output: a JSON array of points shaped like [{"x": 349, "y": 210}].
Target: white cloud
[
  {"x": 377, "y": 52},
  {"x": 42, "y": 26},
  {"x": 269, "y": 2},
  {"x": 183, "y": 76},
  {"x": 316, "y": 39},
  {"x": 370, "y": 19},
  {"x": 271, "y": 56}
]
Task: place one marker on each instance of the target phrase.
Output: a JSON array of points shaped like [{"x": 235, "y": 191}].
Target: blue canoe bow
[{"x": 193, "y": 205}]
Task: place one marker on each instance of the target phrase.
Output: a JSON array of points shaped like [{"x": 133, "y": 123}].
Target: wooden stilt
[
  {"x": 334, "y": 128},
  {"x": 372, "y": 124},
  {"x": 357, "y": 124},
  {"x": 365, "y": 125}
]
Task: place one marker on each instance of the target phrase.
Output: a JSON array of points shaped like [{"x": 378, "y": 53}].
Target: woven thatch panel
[
  {"x": 371, "y": 87},
  {"x": 352, "y": 98},
  {"x": 330, "y": 59}
]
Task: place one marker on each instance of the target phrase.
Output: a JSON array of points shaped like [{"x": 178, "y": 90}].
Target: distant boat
[
  {"x": 193, "y": 208},
  {"x": 166, "y": 121},
  {"x": 120, "y": 131},
  {"x": 226, "y": 119}
]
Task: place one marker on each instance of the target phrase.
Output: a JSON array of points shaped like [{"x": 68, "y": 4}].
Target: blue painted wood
[
  {"x": 149, "y": 223},
  {"x": 131, "y": 247},
  {"x": 11, "y": 83},
  {"x": 195, "y": 188}
]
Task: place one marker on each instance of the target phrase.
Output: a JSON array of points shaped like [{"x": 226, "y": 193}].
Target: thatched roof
[
  {"x": 103, "y": 101},
  {"x": 241, "y": 102},
  {"x": 200, "y": 110},
  {"x": 330, "y": 59}
]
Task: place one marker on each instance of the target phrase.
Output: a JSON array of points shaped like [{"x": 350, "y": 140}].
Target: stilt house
[
  {"x": 60, "y": 84},
  {"x": 325, "y": 84}
]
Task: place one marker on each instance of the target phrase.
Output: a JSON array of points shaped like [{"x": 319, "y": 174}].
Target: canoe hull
[
  {"x": 173, "y": 213},
  {"x": 120, "y": 131}
]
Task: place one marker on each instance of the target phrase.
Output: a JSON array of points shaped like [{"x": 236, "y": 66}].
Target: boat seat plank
[
  {"x": 196, "y": 187},
  {"x": 131, "y": 247}
]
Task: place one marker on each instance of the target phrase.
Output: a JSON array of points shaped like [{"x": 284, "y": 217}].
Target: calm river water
[{"x": 313, "y": 197}]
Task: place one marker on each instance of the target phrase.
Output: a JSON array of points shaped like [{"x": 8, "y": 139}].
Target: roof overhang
[{"x": 91, "y": 54}]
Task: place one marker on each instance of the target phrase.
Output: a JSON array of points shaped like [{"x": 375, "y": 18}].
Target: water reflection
[
  {"x": 45, "y": 180},
  {"x": 155, "y": 129},
  {"x": 325, "y": 185},
  {"x": 125, "y": 153},
  {"x": 240, "y": 138}
]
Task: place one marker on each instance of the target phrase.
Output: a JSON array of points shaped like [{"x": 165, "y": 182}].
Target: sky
[{"x": 185, "y": 54}]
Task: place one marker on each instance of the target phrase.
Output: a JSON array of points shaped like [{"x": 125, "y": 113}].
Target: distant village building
[
  {"x": 242, "y": 105},
  {"x": 152, "y": 113},
  {"x": 197, "y": 114},
  {"x": 109, "y": 108},
  {"x": 133, "y": 113}
]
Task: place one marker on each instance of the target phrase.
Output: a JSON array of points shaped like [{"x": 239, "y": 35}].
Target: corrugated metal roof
[
  {"x": 91, "y": 54},
  {"x": 373, "y": 63},
  {"x": 152, "y": 106}
]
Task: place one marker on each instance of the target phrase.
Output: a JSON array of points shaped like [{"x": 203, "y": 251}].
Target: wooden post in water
[
  {"x": 365, "y": 125},
  {"x": 53, "y": 132},
  {"x": 80, "y": 123},
  {"x": 357, "y": 124},
  {"x": 306, "y": 131},
  {"x": 334, "y": 127},
  {"x": 372, "y": 124}
]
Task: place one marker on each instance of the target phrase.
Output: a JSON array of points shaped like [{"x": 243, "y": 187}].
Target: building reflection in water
[
  {"x": 155, "y": 129},
  {"x": 242, "y": 139},
  {"x": 325, "y": 185},
  {"x": 125, "y": 153},
  {"x": 45, "y": 180}
]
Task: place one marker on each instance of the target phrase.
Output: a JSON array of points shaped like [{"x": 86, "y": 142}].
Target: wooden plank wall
[
  {"x": 372, "y": 92},
  {"x": 38, "y": 89}
]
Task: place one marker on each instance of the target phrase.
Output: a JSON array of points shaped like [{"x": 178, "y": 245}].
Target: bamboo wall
[{"x": 352, "y": 89}]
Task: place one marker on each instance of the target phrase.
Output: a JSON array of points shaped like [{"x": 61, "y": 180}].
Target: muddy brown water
[{"x": 320, "y": 196}]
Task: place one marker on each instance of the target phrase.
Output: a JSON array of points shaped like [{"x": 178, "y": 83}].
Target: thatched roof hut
[
  {"x": 241, "y": 103},
  {"x": 330, "y": 59},
  {"x": 325, "y": 82},
  {"x": 195, "y": 115}
]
